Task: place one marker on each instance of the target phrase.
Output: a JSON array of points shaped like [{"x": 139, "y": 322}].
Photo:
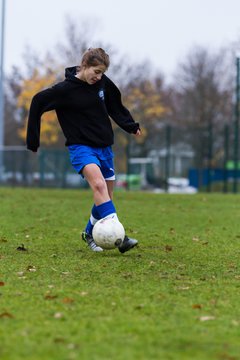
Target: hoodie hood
[{"x": 70, "y": 73}]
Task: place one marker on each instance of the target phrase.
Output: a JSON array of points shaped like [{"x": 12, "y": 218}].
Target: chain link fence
[
  {"x": 46, "y": 168},
  {"x": 199, "y": 158}
]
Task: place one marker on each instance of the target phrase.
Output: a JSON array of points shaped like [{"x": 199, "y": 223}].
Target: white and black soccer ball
[{"x": 108, "y": 233}]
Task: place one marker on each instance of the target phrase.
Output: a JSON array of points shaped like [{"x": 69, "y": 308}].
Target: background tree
[
  {"x": 202, "y": 101},
  {"x": 13, "y": 119}
]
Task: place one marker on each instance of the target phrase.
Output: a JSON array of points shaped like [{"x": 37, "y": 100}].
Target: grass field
[{"x": 176, "y": 296}]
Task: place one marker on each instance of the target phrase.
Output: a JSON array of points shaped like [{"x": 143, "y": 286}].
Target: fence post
[
  {"x": 236, "y": 127},
  {"x": 41, "y": 167},
  {"x": 2, "y": 29},
  {"x": 226, "y": 158},
  {"x": 168, "y": 154},
  {"x": 209, "y": 170},
  {"x": 128, "y": 155}
]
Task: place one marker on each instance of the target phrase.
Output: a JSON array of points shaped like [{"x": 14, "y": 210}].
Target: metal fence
[
  {"x": 202, "y": 156},
  {"x": 46, "y": 168}
]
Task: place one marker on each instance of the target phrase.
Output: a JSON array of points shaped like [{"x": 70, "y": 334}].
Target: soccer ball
[{"x": 108, "y": 233}]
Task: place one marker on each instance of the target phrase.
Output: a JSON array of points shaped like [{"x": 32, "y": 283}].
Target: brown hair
[{"x": 94, "y": 57}]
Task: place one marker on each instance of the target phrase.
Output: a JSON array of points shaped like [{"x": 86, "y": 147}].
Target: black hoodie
[{"x": 82, "y": 110}]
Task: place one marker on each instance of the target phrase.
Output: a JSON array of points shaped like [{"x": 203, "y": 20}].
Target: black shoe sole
[{"x": 125, "y": 250}]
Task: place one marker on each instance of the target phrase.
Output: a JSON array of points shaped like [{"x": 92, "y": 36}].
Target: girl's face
[{"x": 93, "y": 74}]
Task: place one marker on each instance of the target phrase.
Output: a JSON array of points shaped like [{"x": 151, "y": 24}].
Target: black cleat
[{"x": 127, "y": 244}]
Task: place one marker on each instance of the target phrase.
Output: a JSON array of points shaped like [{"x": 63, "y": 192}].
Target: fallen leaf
[
  {"x": 226, "y": 356},
  {"x": 67, "y": 300},
  {"x": 20, "y": 273},
  {"x": 50, "y": 297},
  {"x": 127, "y": 275},
  {"x": 31, "y": 268},
  {"x": 2, "y": 283},
  {"x": 6, "y": 315},
  {"x": 59, "y": 340},
  {"x": 21, "y": 248},
  {"x": 206, "y": 318},
  {"x": 183, "y": 288},
  {"x": 168, "y": 248},
  {"x": 152, "y": 263},
  {"x": 195, "y": 238},
  {"x": 197, "y": 306},
  {"x": 58, "y": 315}
]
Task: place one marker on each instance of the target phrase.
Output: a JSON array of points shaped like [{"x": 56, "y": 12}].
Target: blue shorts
[{"x": 82, "y": 155}]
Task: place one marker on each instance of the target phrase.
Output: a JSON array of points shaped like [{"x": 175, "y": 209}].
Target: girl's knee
[{"x": 99, "y": 185}]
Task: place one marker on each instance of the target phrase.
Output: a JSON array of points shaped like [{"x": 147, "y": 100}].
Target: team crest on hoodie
[{"x": 101, "y": 94}]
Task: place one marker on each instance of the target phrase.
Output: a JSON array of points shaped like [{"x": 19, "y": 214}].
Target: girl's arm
[
  {"x": 43, "y": 101},
  {"x": 117, "y": 110}
]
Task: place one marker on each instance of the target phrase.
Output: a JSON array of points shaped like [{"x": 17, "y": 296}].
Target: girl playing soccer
[{"x": 84, "y": 103}]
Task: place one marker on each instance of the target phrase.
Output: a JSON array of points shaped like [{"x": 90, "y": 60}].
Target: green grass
[{"x": 176, "y": 296}]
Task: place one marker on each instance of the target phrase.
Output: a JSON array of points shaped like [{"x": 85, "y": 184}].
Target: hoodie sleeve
[
  {"x": 116, "y": 109},
  {"x": 41, "y": 102}
]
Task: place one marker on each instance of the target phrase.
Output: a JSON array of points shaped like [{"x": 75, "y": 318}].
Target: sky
[{"x": 159, "y": 31}]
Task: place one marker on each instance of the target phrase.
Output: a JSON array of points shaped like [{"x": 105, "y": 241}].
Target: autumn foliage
[
  {"x": 30, "y": 86},
  {"x": 144, "y": 100}
]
